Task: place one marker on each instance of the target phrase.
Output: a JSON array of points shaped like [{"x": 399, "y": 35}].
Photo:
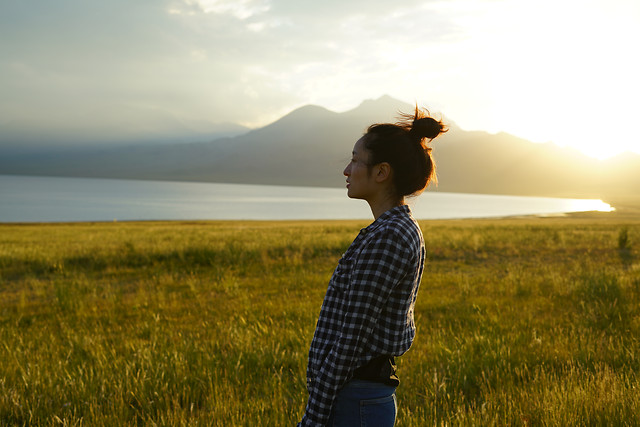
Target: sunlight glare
[
  {"x": 560, "y": 72},
  {"x": 588, "y": 205}
]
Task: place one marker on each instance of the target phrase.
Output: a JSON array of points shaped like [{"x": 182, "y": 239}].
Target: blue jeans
[{"x": 364, "y": 404}]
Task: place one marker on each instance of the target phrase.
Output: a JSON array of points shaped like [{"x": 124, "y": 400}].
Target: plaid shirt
[{"x": 368, "y": 308}]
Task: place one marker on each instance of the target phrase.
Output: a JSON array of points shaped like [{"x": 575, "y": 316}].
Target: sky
[{"x": 562, "y": 71}]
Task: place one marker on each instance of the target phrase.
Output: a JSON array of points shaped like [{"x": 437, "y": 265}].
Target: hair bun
[{"x": 427, "y": 127}]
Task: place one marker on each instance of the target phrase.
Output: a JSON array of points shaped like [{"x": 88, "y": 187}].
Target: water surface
[{"x": 56, "y": 199}]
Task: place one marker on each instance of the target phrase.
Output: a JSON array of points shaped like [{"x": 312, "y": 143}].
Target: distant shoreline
[{"x": 626, "y": 215}]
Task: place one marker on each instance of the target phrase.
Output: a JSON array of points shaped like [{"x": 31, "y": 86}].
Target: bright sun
[{"x": 563, "y": 71}]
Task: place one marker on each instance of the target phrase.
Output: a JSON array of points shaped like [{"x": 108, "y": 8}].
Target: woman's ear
[{"x": 383, "y": 172}]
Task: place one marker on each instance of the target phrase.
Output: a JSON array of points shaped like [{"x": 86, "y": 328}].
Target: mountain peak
[
  {"x": 306, "y": 112},
  {"x": 381, "y": 110},
  {"x": 381, "y": 100},
  {"x": 300, "y": 117},
  {"x": 385, "y": 101}
]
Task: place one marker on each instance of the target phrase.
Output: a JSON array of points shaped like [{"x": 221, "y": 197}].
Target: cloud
[{"x": 241, "y": 9}]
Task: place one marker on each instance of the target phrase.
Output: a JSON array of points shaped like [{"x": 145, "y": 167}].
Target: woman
[{"x": 367, "y": 314}]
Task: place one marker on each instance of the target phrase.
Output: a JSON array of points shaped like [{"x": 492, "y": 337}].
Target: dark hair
[{"x": 405, "y": 147}]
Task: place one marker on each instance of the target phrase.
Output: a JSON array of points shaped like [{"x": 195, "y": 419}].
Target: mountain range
[{"x": 311, "y": 145}]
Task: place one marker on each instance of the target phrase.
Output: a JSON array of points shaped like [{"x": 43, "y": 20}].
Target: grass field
[{"x": 531, "y": 321}]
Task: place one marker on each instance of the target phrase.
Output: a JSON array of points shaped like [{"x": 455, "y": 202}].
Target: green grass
[{"x": 520, "y": 322}]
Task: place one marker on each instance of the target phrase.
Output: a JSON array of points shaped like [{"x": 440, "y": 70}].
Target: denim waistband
[{"x": 356, "y": 383}]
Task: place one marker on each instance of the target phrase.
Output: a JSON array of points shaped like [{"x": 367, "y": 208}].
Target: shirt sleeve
[{"x": 377, "y": 269}]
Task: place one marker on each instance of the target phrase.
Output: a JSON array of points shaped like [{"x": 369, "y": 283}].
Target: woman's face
[{"x": 360, "y": 182}]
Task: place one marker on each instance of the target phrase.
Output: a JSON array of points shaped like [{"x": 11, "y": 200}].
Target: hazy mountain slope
[
  {"x": 311, "y": 145},
  {"x": 20, "y": 137}
]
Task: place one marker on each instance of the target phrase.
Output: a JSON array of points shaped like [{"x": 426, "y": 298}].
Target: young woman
[{"x": 367, "y": 314}]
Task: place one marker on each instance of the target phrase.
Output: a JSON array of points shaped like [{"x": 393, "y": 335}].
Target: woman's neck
[{"x": 378, "y": 207}]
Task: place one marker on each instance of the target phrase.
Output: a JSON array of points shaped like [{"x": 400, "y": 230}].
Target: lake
[{"x": 56, "y": 199}]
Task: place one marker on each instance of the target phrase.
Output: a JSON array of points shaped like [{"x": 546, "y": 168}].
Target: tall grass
[{"x": 531, "y": 322}]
